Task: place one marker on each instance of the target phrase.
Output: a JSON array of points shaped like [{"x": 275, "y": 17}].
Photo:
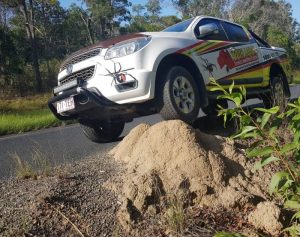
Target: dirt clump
[
  {"x": 266, "y": 217},
  {"x": 172, "y": 158}
]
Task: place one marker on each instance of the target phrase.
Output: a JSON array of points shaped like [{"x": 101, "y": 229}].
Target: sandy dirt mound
[
  {"x": 267, "y": 216},
  {"x": 172, "y": 158}
]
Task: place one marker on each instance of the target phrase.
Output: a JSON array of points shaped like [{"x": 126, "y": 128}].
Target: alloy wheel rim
[{"x": 183, "y": 94}]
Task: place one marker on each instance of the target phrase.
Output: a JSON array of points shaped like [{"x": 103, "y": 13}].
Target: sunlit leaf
[
  {"x": 289, "y": 147},
  {"x": 231, "y": 87},
  {"x": 265, "y": 119},
  {"x": 265, "y": 161},
  {"x": 273, "y": 110},
  {"x": 260, "y": 151},
  {"x": 296, "y": 117},
  {"x": 292, "y": 204},
  {"x": 245, "y": 130},
  {"x": 278, "y": 180},
  {"x": 294, "y": 230}
]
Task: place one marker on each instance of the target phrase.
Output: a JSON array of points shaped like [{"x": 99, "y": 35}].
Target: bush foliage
[{"x": 275, "y": 138}]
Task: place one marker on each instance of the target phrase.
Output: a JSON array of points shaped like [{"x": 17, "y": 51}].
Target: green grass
[
  {"x": 26, "y": 114},
  {"x": 297, "y": 77}
]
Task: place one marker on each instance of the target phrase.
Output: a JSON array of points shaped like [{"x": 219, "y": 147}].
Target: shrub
[{"x": 276, "y": 139}]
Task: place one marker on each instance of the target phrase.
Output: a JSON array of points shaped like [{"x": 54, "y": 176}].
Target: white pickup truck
[{"x": 110, "y": 83}]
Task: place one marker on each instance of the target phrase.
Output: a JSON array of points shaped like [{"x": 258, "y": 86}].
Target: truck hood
[
  {"x": 169, "y": 34},
  {"x": 110, "y": 42},
  {"x": 107, "y": 43},
  {"x": 119, "y": 39}
]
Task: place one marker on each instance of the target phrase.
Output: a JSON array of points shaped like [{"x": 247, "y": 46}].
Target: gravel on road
[{"x": 73, "y": 202}]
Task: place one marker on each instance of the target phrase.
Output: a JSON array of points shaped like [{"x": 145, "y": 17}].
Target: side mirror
[{"x": 208, "y": 29}]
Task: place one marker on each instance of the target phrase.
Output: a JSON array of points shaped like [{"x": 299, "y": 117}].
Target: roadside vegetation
[
  {"x": 34, "y": 56},
  {"x": 37, "y": 166},
  {"x": 26, "y": 114},
  {"x": 297, "y": 77},
  {"x": 274, "y": 136}
]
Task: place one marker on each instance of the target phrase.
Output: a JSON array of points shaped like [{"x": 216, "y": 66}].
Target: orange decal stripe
[
  {"x": 219, "y": 45},
  {"x": 190, "y": 47}
]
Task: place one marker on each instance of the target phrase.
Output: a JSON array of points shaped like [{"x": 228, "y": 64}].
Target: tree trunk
[
  {"x": 29, "y": 25},
  {"x": 87, "y": 24}
]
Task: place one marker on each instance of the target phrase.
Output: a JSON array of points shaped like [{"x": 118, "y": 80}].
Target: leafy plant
[
  {"x": 276, "y": 139},
  {"x": 175, "y": 215}
]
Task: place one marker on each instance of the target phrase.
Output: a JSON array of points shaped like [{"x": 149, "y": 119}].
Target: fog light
[{"x": 121, "y": 78}]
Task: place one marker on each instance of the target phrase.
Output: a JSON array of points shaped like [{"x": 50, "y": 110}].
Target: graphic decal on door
[
  {"x": 208, "y": 66},
  {"x": 232, "y": 58},
  {"x": 203, "y": 47}
]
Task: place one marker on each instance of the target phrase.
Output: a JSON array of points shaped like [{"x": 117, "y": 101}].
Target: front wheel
[
  {"x": 102, "y": 131},
  {"x": 178, "y": 95}
]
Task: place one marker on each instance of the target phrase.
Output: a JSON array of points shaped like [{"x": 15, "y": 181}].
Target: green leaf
[
  {"x": 281, "y": 116},
  {"x": 290, "y": 112},
  {"x": 228, "y": 97},
  {"x": 246, "y": 120},
  {"x": 231, "y": 87},
  {"x": 245, "y": 130},
  {"x": 278, "y": 180},
  {"x": 264, "y": 151},
  {"x": 265, "y": 161},
  {"x": 216, "y": 89},
  {"x": 237, "y": 99},
  {"x": 292, "y": 205},
  {"x": 292, "y": 105},
  {"x": 243, "y": 91},
  {"x": 225, "y": 119},
  {"x": 289, "y": 147},
  {"x": 265, "y": 119},
  {"x": 294, "y": 230},
  {"x": 296, "y": 117},
  {"x": 297, "y": 137},
  {"x": 251, "y": 135},
  {"x": 296, "y": 216},
  {"x": 273, "y": 110}
]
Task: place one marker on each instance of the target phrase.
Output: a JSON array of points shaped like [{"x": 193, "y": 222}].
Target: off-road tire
[
  {"x": 277, "y": 95},
  {"x": 169, "y": 101},
  {"x": 102, "y": 131}
]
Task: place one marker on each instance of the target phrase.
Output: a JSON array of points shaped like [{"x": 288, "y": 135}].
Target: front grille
[
  {"x": 84, "y": 74},
  {"x": 81, "y": 57}
]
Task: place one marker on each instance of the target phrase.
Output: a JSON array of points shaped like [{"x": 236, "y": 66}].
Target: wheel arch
[
  {"x": 176, "y": 59},
  {"x": 274, "y": 70}
]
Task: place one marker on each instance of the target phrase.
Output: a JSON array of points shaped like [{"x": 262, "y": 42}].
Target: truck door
[
  {"x": 228, "y": 55},
  {"x": 207, "y": 51},
  {"x": 242, "y": 60}
]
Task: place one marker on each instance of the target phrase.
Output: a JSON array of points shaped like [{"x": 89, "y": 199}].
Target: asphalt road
[
  {"x": 63, "y": 144},
  {"x": 58, "y": 145}
]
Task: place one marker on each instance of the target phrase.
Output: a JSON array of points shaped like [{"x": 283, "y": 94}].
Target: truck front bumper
[{"x": 90, "y": 104}]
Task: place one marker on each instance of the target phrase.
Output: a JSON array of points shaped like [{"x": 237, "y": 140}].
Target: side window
[
  {"x": 235, "y": 33},
  {"x": 220, "y": 36},
  {"x": 259, "y": 41}
]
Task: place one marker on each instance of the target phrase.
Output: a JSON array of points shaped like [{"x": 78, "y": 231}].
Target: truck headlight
[{"x": 126, "y": 48}]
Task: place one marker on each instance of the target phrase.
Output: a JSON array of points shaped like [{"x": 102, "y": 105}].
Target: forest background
[{"x": 36, "y": 35}]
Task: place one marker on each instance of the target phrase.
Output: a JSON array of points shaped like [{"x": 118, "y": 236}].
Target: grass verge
[
  {"x": 26, "y": 114},
  {"x": 296, "y": 75},
  {"x": 37, "y": 166}
]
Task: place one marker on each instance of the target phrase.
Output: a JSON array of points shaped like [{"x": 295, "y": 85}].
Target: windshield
[{"x": 179, "y": 27}]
